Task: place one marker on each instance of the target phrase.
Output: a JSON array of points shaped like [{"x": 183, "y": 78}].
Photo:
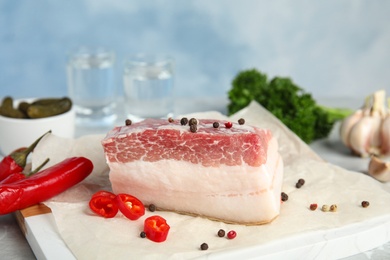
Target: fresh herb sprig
[{"x": 296, "y": 108}]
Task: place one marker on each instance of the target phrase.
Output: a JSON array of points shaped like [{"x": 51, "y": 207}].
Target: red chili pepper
[
  {"x": 16, "y": 161},
  {"x": 44, "y": 185},
  {"x": 17, "y": 176},
  {"x": 104, "y": 204},
  {"x": 8, "y": 165},
  {"x": 156, "y": 228},
  {"x": 14, "y": 177},
  {"x": 130, "y": 206}
]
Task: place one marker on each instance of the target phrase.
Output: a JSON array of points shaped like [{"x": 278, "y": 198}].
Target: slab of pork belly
[{"x": 229, "y": 174}]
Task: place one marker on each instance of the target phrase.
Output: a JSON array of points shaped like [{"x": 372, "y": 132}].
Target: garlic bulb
[{"x": 365, "y": 131}]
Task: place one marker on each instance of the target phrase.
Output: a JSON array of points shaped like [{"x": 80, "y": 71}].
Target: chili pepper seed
[
  {"x": 170, "y": 120},
  {"x": 284, "y": 196},
  {"x": 333, "y": 208},
  {"x": 152, "y": 208},
  {"x": 142, "y": 234},
  {"x": 325, "y": 208},
  {"x": 365, "y": 204},
  {"x": 204, "y": 246},
  {"x": 313, "y": 206},
  {"x": 221, "y": 233},
  {"x": 231, "y": 234}
]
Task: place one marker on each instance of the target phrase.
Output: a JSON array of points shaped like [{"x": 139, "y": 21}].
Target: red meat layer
[{"x": 157, "y": 139}]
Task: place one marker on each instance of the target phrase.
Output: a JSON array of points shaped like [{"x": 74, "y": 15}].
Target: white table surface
[{"x": 13, "y": 244}]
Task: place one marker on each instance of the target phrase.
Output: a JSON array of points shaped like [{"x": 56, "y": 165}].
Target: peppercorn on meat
[{"x": 226, "y": 171}]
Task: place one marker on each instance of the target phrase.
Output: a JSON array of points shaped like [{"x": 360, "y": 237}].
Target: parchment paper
[{"x": 91, "y": 237}]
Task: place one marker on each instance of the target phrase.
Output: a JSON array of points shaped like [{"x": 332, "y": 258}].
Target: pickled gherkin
[
  {"x": 50, "y": 109},
  {"x": 7, "y": 109},
  {"x": 39, "y": 108},
  {"x": 23, "y": 106},
  {"x": 7, "y": 103}
]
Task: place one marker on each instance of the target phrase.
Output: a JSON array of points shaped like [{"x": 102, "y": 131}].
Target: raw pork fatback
[{"x": 228, "y": 174}]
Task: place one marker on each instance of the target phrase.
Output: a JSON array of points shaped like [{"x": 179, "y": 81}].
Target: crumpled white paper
[{"x": 92, "y": 237}]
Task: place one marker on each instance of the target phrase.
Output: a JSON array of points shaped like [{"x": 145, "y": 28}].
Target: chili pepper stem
[
  {"x": 38, "y": 168},
  {"x": 21, "y": 157}
]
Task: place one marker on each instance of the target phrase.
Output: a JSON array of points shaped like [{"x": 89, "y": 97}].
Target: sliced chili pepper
[
  {"x": 104, "y": 204},
  {"x": 156, "y": 228},
  {"x": 44, "y": 185},
  {"x": 130, "y": 206},
  {"x": 104, "y": 193},
  {"x": 16, "y": 161}
]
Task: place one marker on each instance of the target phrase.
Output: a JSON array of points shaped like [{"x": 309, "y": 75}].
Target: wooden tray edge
[{"x": 34, "y": 210}]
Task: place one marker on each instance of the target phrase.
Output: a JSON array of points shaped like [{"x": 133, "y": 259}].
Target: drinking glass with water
[
  {"x": 91, "y": 86},
  {"x": 148, "y": 86}
]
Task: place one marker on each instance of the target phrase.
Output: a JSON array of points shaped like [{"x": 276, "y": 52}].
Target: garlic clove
[
  {"x": 379, "y": 169},
  {"x": 364, "y": 137},
  {"x": 347, "y": 124}
]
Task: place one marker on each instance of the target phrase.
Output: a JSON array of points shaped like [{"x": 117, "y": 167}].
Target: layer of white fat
[{"x": 241, "y": 194}]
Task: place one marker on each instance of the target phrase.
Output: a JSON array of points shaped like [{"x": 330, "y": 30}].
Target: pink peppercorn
[
  {"x": 313, "y": 206},
  {"x": 231, "y": 234},
  {"x": 228, "y": 124}
]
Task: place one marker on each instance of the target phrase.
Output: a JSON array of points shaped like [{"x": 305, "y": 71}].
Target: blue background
[{"x": 330, "y": 48}]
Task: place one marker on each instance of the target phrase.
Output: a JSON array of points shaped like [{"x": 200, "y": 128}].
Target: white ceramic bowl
[{"x": 16, "y": 133}]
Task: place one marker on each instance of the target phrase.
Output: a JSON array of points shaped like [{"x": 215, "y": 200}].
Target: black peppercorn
[
  {"x": 193, "y": 121},
  {"x": 128, "y": 122},
  {"x": 241, "y": 121},
  {"x": 300, "y": 183},
  {"x": 142, "y": 234},
  {"x": 221, "y": 233},
  {"x": 152, "y": 208},
  {"x": 170, "y": 120},
  {"x": 215, "y": 124},
  {"x": 204, "y": 246},
  {"x": 365, "y": 204},
  {"x": 184, "y": 121},
  {"x": 284, "y": 196},
  {"x": 193, "y": 128}
]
